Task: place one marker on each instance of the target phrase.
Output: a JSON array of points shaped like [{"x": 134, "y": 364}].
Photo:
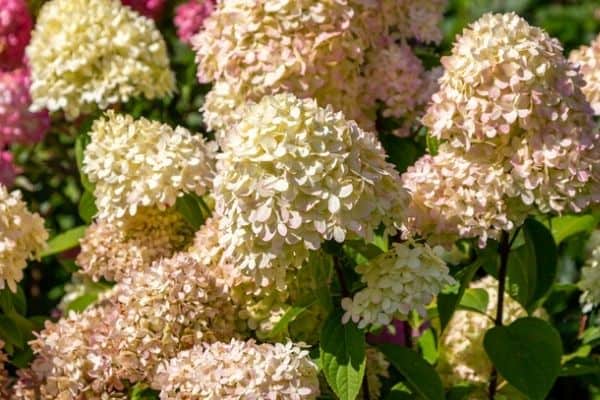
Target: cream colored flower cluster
[
  {"x": 143, "y": 321},
  {"x": 587, "y": 58},
  {"x": 509, "y": 105},
  {"x": 240, "y": 370},
  {"x": 75, "y": 357},
  {"x": 259, "y": 309},
  {"x": 404, "y": 279},
  {"x": 462, "y": 356},
  {"x": 458, "y": 194},
  {"x": 314, "y": 49},
  {"x": 143, "y": 163},
  {"x": 292, "y": 175},
  {"x": 93, "y": 53},
  {"x": 170, "y": 307},
  {"x": 22, "y": 237},
  {"x": 590, "y": 274},
  {"x": 113, "y": 252}
]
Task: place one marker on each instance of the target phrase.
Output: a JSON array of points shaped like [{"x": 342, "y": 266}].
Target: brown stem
[{"x": 504, "y": 250}]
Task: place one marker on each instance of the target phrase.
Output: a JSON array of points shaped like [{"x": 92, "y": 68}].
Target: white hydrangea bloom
[
  {"x": 22, "y": 237},
  {"x": 404, "y": 279},
  {"x": 142, "y": 163},
  {"x": 93, "y": 53},
  {"x": 240, "y": 370},
  {"x": 292, "y": 175},
  {"x": 588, "y": 60},
  {"x": 590, "y": 274}
]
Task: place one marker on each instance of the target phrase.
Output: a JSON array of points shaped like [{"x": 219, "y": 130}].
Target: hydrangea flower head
[
  {"x": 149, "y": 8},
  {"x": 404, "y": 279},
  {"x": 113, "y": 252},
  {"x": 292, "y": 175},
  {"x": 101, "y": 53},
  {"x": 17, "y": 123},
  {"x": 587, "y": 59},
  {"x": 190, "y": 16},
  {"x": 240, "y": 370},
  {"x": 143, "y": 163},
  {"x": 22, "y": 237},
  {"x": 15, "y": 32}
]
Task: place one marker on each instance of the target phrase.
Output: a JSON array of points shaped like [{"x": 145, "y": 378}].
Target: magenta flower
[
  {"x": 17, "y": 123},
  {"x": 190, "y": 16},
  {"x": 15, "y": 32},
  {"x": 149, "y": 8},
  {"x": 8, "y": 171}
]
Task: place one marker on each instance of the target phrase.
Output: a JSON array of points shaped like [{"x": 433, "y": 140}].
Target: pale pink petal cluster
[
  {"x": 143, "y": 163},
  {"x": 189, "y": 17},
  {"x": 149, "y": 8},
  {"x": 587, "y": 58},
  {"x": 90, "y": 54},
  {"x": 509, "y": 106},
  {"x": 293, "y": 175},
  {"x": 15, "y": 32},
  {"x": 22, "y": 237},
  {"x": 113, "y": 252},
  {"x": 402, "y": 280},
  {"x": 240, "y": 370},
  {"x": 313, "y": 49},
  {"x": 17, "y": 123}
]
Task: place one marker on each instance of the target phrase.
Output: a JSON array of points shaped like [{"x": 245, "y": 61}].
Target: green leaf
[
  {"x": 189, "y": 207},
  {"x": 82, "y": 302},
  {"x": 591, "y": 336},
  {"x": 13, "y": 302},
  {"x": 475, "y": 300},
  {"x": 400, "y": 392},
  {"x": 342, "y": 356},
  {"x": 527, "y": 354},
  {"x": 447, "y": 302},
  {"x": 289, "y": 316},
  {"x": 10, "y": 332},
  {"x": 360, "y": 251},
  {"x": 141, "y": 391},
  {"x": 581, "y": 366},
  {"x": 433, "y": 144},
  {"x": 87, "y": 207},
  {"x": 64, "y": 241},
  {"x": 428, "y": 346},
  {"x": 569, "y": 225},
  {"x": 532, "y": 267},
  {"x": 420, "y": 376}
]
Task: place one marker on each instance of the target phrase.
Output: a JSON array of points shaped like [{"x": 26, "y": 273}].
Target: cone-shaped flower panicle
[
  {"x": 242, "y": 370},
  {"x": 190, "y": 16},
  {"x": 587, "y": 58},
  {"x": 22, "y": 237},
  {"x": 292, "y": 175},
  {"x": 15, "y": 32},
  {"x": 86, "y": 54},
  {"x": 143, "y": 163},
  {"x": 404, "y": 279}
]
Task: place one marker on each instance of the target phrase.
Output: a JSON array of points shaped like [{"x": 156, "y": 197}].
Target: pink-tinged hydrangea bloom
[
  {"x": 240, "y": 370},
  {"x": 588, "y": 60},
  {"x": 15, "y": 32},
  {"x": 149, "y": 8},
  {"x": 510, "y": 106},
  {"x": 419, "y": 19},
  {"x": 17, "y": 123},
  {"x": 8, "y": 171},
  {"x": 190, "y": 16}
]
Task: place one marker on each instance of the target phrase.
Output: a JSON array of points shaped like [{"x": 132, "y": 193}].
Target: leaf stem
[
  {"x": 337, "y": 264},
  {"x": 504, "y": 251}
]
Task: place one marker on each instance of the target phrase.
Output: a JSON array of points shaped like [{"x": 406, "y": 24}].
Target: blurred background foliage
[{"x": 52, "y": 186}]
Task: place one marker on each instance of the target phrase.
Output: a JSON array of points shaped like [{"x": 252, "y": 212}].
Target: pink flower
[
  {"x": 8, "y": 171},
  {"x": 15, "y": 32},
  {"x": 17, "y": 123},
  {"x": 190, "y": 16},
  {"x": 149, "y": 8}
]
